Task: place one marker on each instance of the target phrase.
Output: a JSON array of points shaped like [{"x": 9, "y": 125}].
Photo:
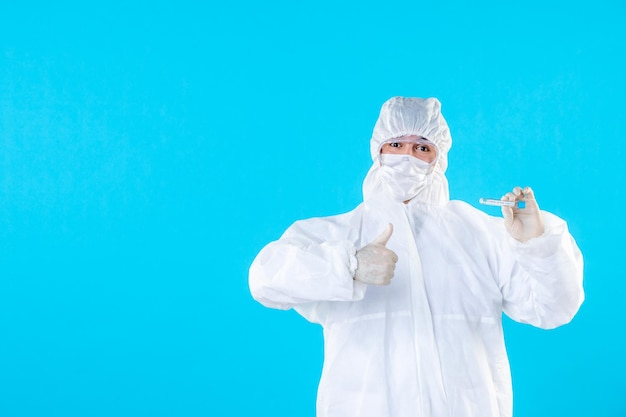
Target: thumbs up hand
[{"x": 376, "y": 263}]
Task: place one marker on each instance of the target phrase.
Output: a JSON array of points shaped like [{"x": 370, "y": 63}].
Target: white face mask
[{"x": 404, "y": 175}]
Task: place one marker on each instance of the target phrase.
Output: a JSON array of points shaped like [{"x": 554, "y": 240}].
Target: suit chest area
[{"x": 455, "y": 262}]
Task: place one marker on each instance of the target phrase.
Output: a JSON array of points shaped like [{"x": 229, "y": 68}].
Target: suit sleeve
[
  {"x": 313, "y": 261},
  {"x": 543, "y": 286}
]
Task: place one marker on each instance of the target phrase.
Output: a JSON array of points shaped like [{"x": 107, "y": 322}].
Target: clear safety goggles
[{"x": 418, "y": 147}]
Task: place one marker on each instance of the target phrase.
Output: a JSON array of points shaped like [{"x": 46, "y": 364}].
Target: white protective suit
[{"x": 431, "y": 343}]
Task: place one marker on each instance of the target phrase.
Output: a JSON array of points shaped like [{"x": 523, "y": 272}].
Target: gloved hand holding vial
[{"x": 521, "y": 220}]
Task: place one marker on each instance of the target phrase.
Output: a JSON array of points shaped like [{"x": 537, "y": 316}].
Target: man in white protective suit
[{"x": 410, "y": 287}]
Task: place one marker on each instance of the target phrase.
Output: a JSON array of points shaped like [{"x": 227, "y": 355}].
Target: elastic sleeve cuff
[
  {"x": 346, "y": 252},
  {"x": 548, "y": 243}
]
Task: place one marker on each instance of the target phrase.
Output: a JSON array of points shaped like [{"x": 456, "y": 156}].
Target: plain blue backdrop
[{"x": 149, "y": 150}]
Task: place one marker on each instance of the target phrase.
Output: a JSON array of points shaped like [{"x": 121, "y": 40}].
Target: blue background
[{"x": 149, "y": 150}]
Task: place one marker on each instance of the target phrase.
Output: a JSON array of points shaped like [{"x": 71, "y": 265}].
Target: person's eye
[
  {"x": 423, "y": 148},
  {"x": 395, "y": 144}
]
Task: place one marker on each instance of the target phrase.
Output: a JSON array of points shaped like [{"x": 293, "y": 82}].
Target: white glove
[
  {"x": 522, "y": 224},
  {"x": 375, "y": 262}
]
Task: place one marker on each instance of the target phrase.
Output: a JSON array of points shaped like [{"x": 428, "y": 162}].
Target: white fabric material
[
  {"x": 431, "y": 342},
  {"x": 404, "y": 175}
]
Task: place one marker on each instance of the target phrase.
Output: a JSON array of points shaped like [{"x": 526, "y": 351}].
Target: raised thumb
[{"x": 384, "y": 236}]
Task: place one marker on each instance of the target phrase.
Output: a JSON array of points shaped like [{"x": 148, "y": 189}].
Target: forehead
[{"x": 409, "y": 139}]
